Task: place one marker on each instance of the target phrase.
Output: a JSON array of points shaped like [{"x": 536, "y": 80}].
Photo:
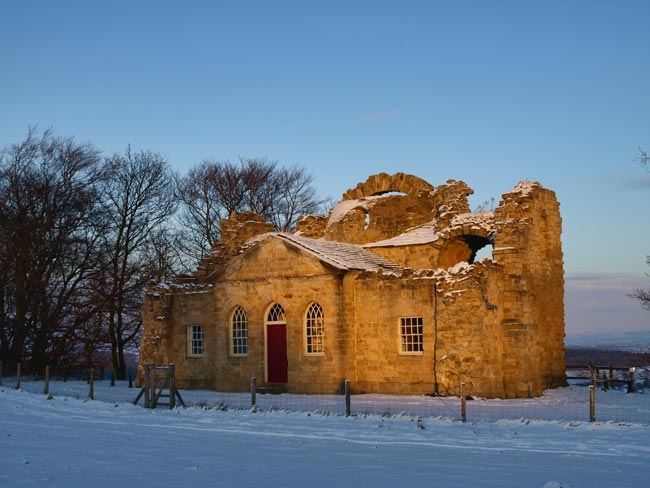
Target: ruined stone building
[{"x": 384, "y": 291}]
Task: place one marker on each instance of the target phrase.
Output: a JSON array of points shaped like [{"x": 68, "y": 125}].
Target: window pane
[
  {"x": 239, "y": 331},
  {"x": 276, "y": 314},
  {"x": 196, "y": 340},
  {"x": 314, "y": 328},
  {"x": 411, "y": 334}
]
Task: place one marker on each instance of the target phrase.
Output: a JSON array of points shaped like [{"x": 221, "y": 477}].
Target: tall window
[
  {"x": 239, "y": 332},
  {"x": 195, "y": 340},
  {"x": 315, "y": 326},
  {"x": 411, "y": 335}
]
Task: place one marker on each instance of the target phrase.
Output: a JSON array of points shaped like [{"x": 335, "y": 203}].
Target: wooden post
[
  {"x": 113, "y": 378},
  {"x": 347, "y": 398},
  {"x": 18, "y": 376},
  {"x": 611, "y": 377},
  {"x": 147, "y": 385},
  {"x": 463, "y": 403},
  {"x": 530, "y": 393},
  {"x": 592, "y": 403},
  {"x": 594, "y": 375},
  {"x": 253, "y": 391},
  {"x": 630, "y": 381},
  {"x": 91, "y": 384},
  {"x": 46, "y": 387},
  {"x": 172, "y": 385},
  {"x": 130, "y": 380},
  {"x": 0, "y": 373}
]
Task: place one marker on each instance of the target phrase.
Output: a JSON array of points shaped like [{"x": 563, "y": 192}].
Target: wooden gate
[{"x": 159, "y": 382}]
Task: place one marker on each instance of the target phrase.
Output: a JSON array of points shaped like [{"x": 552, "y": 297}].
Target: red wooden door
[{"x": 276, "y": 353}]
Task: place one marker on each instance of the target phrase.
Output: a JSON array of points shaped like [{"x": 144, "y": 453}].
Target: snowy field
[{"x": 68, "y": 442}]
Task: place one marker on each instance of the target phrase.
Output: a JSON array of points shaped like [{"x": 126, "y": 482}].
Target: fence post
[
  {"x": 611, "y": 377},
  {"x": 253, "y": 391},
  {"x": 463, "y": 403},
  {"x": 91, "y": 384},
  {"x": 347, "y": 398},
  {"x": 112, "y": 378},
  {"x": 18, "y": 376},
  {"x": 172, "y": 385},
  {"x": 0, "y": 373},
  {"x": 130, "y": 380},
  {"x": 46, "y": 388},
  {"x": 147, "y": 385},
  {"x": 592, "y": 403},
  {"x": 630, "y": 381}
]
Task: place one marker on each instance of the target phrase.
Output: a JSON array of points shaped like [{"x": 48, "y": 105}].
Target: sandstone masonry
[{"x": 385, "y": 291}]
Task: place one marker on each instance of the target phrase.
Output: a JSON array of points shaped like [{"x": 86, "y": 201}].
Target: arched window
[
  {"x": 276, "y": 314},
  {"x": 239, "y": 332},
  {"x": 314, "y": 328}
]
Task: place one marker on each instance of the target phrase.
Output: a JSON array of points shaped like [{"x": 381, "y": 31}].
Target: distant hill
[
  {"x": 629, "y": 340},
  {"x": 591, "y": 356}
]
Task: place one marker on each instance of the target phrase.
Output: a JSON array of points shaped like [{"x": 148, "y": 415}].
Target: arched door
[{"x": 276, "y": 345}]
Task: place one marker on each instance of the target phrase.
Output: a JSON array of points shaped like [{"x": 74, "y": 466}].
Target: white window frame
[
  {"x": 239, "y": 336},
  {"x": 195, "y": 341},
  {"x": 411, "y": 335},
  {"x": 314, "y": 330}
]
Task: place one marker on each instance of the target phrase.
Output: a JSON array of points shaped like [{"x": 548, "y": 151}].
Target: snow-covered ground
[{"x": 67, "y": 442}]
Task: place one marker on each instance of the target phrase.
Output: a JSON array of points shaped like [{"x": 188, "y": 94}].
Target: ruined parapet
[
  {"x": 450, "y": 200},
  {"x": 312, "y": 226},
  {"x": 240, "y": 227},
  {"x": 235, "y": 231}
]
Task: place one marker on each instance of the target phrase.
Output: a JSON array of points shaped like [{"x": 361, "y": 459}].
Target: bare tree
[
  {"x": 200, "y": 213},
  {"x": 644, "y": 159},
  {"x": 137, "y": 199},
  {"x": 215, "y": 189},
  {"x": 642, "y": 295},
  {"x": 639, "y": 293},
  {"x": 47, "y": 242}
]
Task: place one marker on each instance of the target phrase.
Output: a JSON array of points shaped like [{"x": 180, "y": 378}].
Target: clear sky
[{"x": 486, "y": 92}]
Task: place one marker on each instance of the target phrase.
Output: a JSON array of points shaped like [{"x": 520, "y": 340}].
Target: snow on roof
[
  {"x": 342, "y": 208},
  {"x": 426, "y": 233},
  {"x": 422, "y": 234},
  {"x": 340, "y": 255}
]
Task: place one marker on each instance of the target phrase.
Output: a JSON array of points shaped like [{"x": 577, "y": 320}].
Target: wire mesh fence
[{"x": 570, "y": 403}]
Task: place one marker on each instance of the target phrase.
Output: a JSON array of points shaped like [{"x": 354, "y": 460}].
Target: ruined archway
[{"x": 382, "y": 183}]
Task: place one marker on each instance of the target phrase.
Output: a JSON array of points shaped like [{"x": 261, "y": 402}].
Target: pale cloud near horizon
[
  {"x": 599, "y": 302},
  {"x": 641, "y": 182}
]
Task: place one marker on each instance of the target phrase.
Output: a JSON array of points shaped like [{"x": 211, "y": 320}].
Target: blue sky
[{"x": 486, "y": 92}]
